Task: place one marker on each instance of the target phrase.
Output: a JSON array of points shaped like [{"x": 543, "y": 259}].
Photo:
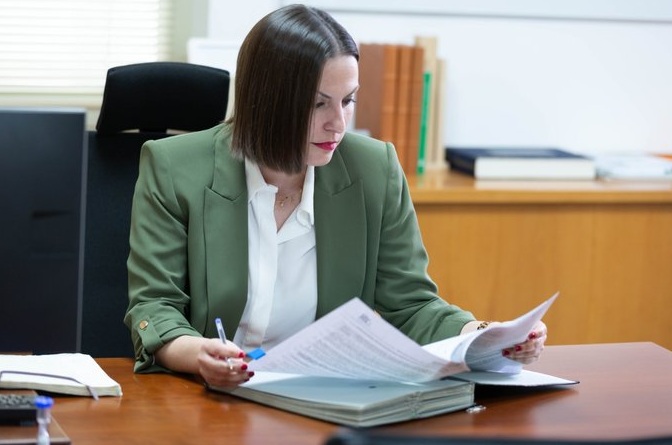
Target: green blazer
[{"x": 188, "y": 262}]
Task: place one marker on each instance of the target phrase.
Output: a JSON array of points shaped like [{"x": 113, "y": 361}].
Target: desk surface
[{"x": 625, "y": 392}]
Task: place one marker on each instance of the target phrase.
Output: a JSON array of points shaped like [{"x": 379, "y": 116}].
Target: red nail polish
[
  {"x": 532, "y": 335},
  {"x": 519, "y": 348},
  {"x": 506, "y": 353},
  {"x": 243, "y": 367},
  {"x": 241, "y": 354},
  {"x": 251, "y": 373}
]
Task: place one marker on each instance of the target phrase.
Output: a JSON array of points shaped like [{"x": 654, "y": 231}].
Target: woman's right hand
[
  {"x": 206, "y": 357},
  {"x": 222, "y": 364}
]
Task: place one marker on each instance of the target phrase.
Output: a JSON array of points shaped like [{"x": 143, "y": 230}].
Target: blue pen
[{"x": 222, "y": 337}]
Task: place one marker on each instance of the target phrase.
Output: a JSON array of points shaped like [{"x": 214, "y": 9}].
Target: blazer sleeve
[
  {"x": 157, "y": 264},
  {"x": 405, "y": 294}
]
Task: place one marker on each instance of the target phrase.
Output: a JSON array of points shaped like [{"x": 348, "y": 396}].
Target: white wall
[{"x": 588, "y": 75}]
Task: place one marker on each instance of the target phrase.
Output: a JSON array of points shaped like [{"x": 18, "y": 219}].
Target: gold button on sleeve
[{"x": 143, "y": 325}]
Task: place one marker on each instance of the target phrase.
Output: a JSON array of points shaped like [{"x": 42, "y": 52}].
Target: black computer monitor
[{"x": 42, "y": 192}]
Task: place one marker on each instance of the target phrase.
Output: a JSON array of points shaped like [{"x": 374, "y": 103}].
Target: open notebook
[{"x": 69, "y": 373}]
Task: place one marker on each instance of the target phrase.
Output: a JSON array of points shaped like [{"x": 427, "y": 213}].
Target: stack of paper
[{"x": 633, "y": 167}]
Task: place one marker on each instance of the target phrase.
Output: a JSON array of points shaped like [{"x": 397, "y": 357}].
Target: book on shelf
[
  {"x": 402, "y": 114},
  {"x": 415, "y": 113},
  {"x": 353, "y": 368},
  {"x": 67, "y": 373},
  {"x": 432, "y": 150},
  {"x": 634, "y": 167},
  {"x": 521, "y": 163},
  {"x": 377, "y": 96},
  {"x": 437, "y": 160},
  {"x": 424, "y": 124}
]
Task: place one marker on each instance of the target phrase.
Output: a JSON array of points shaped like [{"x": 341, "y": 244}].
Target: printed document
[{"x": 354, "y": 342}]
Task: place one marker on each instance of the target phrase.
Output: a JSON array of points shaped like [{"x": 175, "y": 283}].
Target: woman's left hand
[{"x": 529, "y": 350}]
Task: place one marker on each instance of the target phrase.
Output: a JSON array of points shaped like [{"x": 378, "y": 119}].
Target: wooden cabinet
[{"x": 498, "y": 248}]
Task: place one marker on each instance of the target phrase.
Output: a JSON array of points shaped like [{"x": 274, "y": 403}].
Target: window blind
[{"x": 65, "y": 47}]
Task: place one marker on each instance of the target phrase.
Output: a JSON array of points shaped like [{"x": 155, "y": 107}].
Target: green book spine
[{"x": 422, "y": 143}]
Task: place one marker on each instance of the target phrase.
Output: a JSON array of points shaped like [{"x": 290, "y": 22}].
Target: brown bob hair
[{"x": 277, "y": 76}]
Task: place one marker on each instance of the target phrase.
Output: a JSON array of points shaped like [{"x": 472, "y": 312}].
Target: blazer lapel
[
  {"x": 225, "y": 227},
  {"x": 340, "y": 233}
]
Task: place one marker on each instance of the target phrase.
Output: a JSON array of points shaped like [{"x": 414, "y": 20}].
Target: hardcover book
[
  {"x": 415, "y": 115},
  {"x": 521, "y": 163},
  {"x": 430, "y": 152},
  {"x": 403, "y": 109},
  {"x": 377, "y": 98}
]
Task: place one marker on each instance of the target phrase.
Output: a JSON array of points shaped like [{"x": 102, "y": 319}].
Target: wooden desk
[
  {"x": 625, "y": 392},
  {"x": 498, "y": 248}
]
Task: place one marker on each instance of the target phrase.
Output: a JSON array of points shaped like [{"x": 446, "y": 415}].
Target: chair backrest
[{"x": 140, "y": 102}]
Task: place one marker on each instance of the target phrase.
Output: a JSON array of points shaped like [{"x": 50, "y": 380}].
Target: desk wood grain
[
  {"x": 625, "y": 392},
  {"x": 498, "y": 248}
]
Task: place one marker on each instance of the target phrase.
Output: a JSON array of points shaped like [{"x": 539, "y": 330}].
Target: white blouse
[{"x": 282, "y": 277}]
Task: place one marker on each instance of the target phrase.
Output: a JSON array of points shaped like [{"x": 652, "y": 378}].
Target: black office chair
[{"x": 140, "y": 102}]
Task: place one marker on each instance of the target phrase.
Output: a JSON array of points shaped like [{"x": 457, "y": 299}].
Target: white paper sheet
[{"x": 354, "y": 342}]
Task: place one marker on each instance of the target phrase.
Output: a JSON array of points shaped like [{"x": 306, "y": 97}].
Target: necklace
[{"x": 280, "y": 202}]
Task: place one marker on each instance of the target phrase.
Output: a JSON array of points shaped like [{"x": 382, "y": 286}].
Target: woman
[{"x": 278, "y": 216}]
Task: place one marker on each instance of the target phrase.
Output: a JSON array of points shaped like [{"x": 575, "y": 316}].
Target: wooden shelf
[
  {"x": 442, "y": 187},
  {"x": 499, "y": 248}
]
